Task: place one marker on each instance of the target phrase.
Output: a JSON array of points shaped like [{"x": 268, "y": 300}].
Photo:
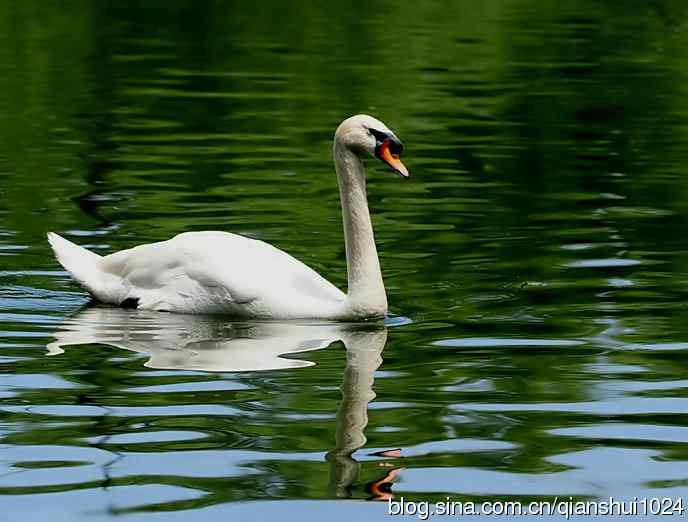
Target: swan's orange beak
[{"x": 385, "y": 154}]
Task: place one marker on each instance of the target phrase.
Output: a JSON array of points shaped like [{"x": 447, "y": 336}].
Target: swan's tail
[{"x": 81, "y": 263}]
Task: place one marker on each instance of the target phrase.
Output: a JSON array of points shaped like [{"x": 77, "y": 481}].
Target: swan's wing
[
  {"x": 201, "y": 270},
  {"x": 252, "y": 270},
  {"x": 197, "y": 267}
]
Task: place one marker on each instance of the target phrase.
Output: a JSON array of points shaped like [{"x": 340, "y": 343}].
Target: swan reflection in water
[{"x": 186, "y": 342}]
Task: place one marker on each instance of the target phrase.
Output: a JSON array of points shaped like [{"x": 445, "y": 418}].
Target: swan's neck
[{"x": 366, "y": 294}]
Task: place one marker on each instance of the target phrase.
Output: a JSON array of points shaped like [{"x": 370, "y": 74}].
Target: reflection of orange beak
[
  {"x": 392, "y": 159},
  {"x": 391, "y": 453},
  {"x": 381, "y": 489}
]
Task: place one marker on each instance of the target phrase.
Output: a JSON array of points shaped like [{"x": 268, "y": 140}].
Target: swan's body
[
  {"x": 207, "y": 272},
  {"x": 219, "y": 272}
]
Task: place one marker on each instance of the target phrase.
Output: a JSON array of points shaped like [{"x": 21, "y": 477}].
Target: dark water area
[{"x": 536, "y": 263}]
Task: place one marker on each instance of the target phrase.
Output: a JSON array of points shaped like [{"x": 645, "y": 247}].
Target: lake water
[{"x": 536, "y": 263}]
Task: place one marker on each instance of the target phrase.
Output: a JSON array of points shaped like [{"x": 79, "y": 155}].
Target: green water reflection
[{"x": 536, "y": 263}]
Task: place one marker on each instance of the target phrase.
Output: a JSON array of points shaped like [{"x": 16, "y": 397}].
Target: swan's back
[{"x": 221, "y": 272}]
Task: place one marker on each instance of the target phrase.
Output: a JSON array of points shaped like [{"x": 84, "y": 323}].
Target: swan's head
[{"x": 364, "y": 134}]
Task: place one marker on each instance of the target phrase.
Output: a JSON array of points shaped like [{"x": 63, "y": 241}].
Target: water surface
[{"x": 536, "y": 263}]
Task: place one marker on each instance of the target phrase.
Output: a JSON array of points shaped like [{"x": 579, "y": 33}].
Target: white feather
[
  {"x": 204, "y": 272},
  {"x": 219, "y": 272}
]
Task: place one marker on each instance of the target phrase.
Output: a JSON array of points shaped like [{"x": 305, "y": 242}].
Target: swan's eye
[
  {"x": 395, "y": 146},
  {"x": 379, "y": 135}
]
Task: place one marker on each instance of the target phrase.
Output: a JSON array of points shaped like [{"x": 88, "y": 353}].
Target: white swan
[{"x": 219, "y": 272}]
